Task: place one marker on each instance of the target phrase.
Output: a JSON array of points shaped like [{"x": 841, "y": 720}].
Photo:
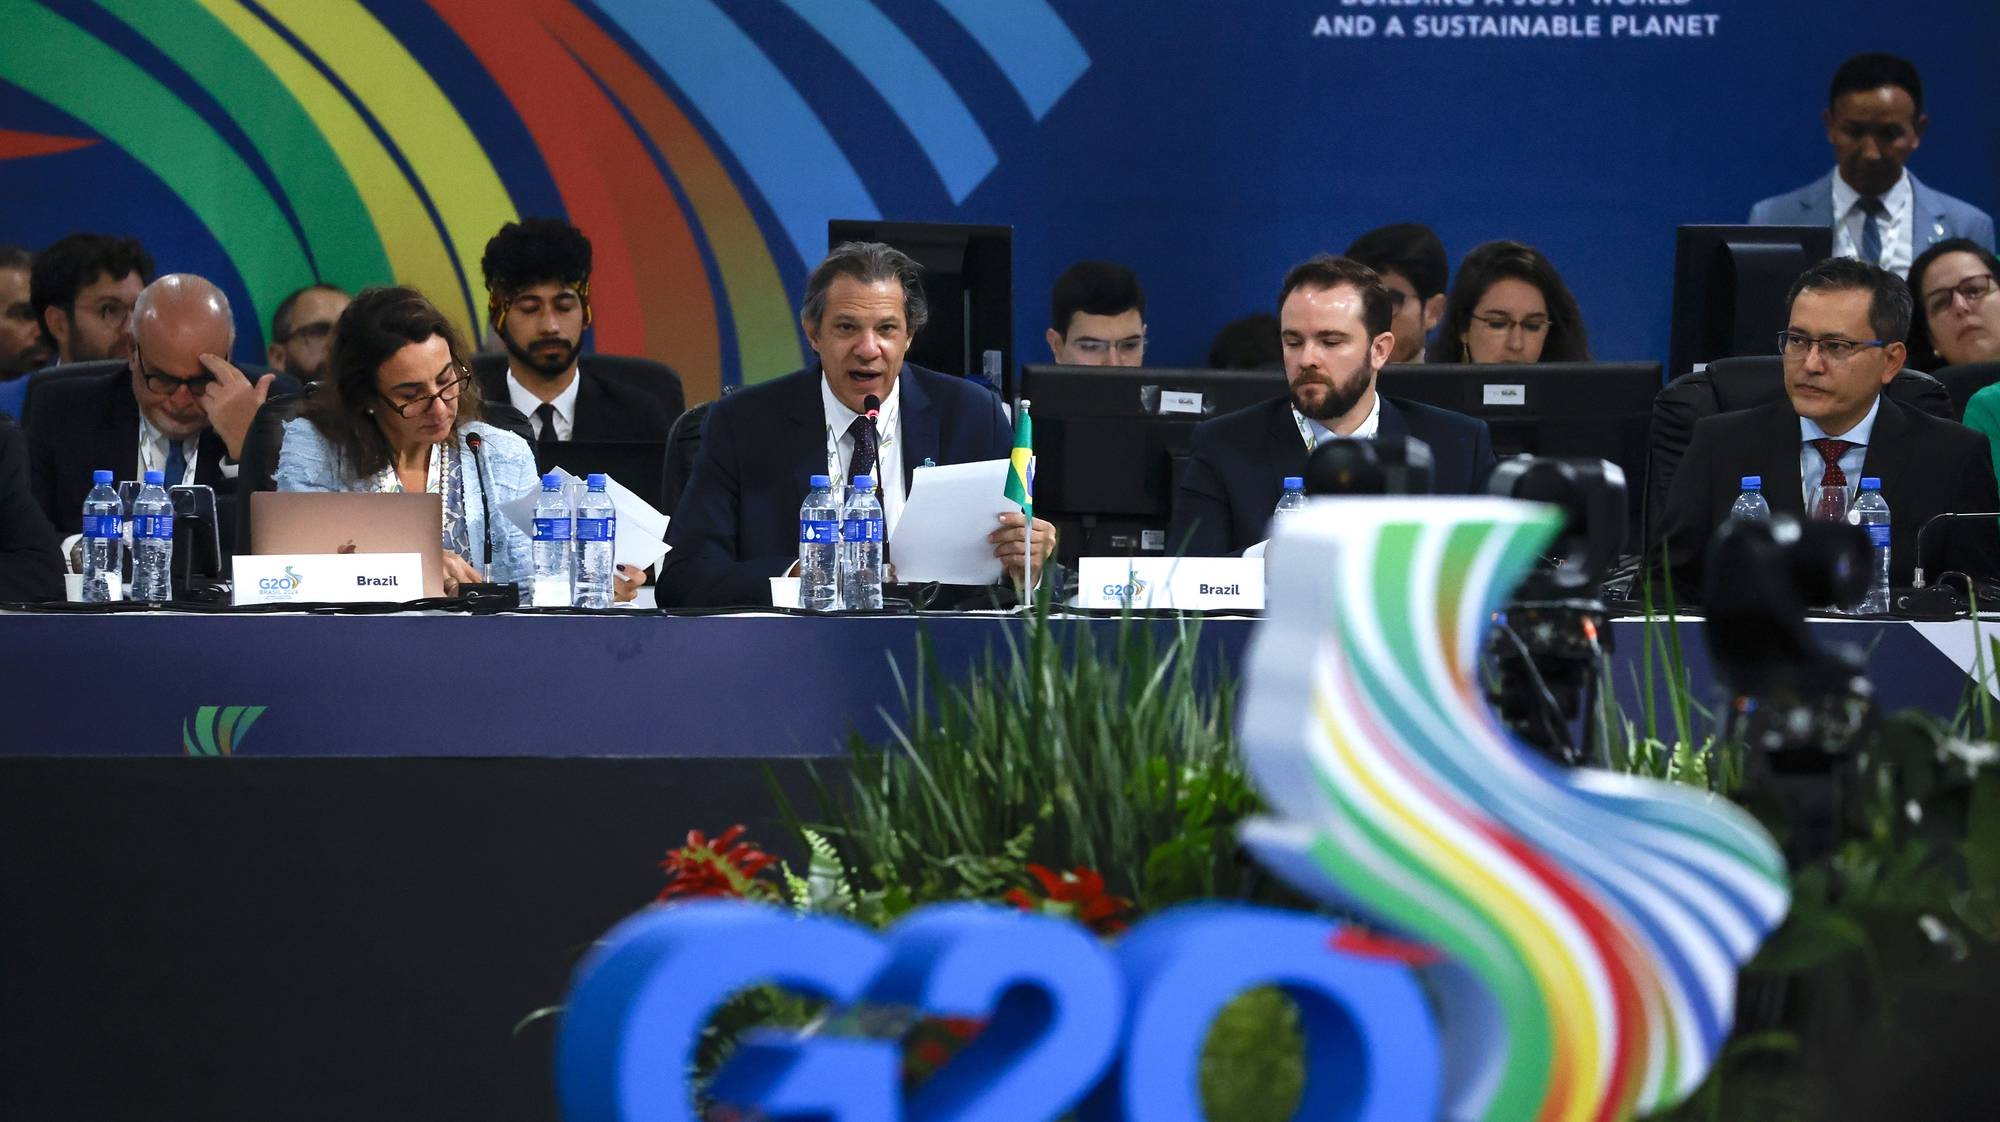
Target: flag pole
[{"x": 1028, "y": 508}]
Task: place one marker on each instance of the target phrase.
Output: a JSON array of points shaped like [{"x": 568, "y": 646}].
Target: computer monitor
[
  {"x": 1597, "y": 410},
  {"x": 1729, "y": 288},
  {"x": 1110, "y": 441},
  {"x": 969, "y": 284}
]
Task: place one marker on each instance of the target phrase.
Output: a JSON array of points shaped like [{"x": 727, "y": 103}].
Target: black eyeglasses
[
  {"x": 1793, "y": 344},
  {"x": 1974, "y": 289},
  {"x": 166, "y": 384},
  {"x": 447, "y": 393},
  {"x": 309, "y": 332}
]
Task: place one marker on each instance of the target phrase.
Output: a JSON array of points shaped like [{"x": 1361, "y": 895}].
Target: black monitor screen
[
  {"x": 1596, "y": 410},
  {"x": 1109, "y": 442},
  {"x": 1729, "y": 288},
  {"x": 968, "y": 284}
]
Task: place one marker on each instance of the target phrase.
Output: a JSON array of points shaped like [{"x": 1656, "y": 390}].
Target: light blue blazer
[
  {"x": 308, "y": 462},
  {"x": 1939, "y": 217}
]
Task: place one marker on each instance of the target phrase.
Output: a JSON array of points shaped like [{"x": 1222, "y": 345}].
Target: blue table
[{"x": 626, "y": 684}]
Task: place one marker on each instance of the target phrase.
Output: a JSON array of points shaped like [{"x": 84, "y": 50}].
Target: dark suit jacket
[
  {"x": 1237, "y": 464},
  {"x": 31, "y": 565},
  {"x": 91, "y": 422},
  {"x": 606, "y": 408},
  {"x": 1927, "y": 467},
  {"x": 737, "y": 524}
]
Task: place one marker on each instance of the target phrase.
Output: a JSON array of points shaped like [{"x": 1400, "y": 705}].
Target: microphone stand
[{"x": 486, "y": 596}]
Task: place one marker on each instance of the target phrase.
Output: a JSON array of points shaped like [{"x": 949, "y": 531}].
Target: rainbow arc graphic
[
  {"x": 1592, "y": 924},
  {"x": 340, "y": 141}
]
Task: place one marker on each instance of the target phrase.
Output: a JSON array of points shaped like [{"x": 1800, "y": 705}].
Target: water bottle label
[
  {"x": 818, "y": 531},
  {"x": 861, "y": 530},
  {"x": 159, "y": 526},
  {"x": 596, "y": 529},
  {"x": 1878, "y": 535},
  {"x": 552, "y": 529},
  {"x": 103, "y": 526}
]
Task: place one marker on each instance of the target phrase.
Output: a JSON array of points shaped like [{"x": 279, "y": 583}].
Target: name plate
[
  {"x": 1178, "y": 583},
  {"x": 328, "y": 578}
]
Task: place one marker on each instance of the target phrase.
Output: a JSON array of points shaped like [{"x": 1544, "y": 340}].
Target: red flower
[
  {"x": 724, "y": 867},
  {"x": 1079, "y": 894}
]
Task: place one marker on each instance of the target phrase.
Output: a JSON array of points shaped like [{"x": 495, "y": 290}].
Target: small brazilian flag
[{"x": 1021, "y": 476}]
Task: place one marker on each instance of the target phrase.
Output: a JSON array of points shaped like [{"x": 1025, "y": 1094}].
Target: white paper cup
[
  {"x": 73, "y": 587},
  {"x": 784, "y": 592}
]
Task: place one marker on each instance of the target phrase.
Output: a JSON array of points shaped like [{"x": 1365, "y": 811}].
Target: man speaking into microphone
[{"x": 860, "y": 410}]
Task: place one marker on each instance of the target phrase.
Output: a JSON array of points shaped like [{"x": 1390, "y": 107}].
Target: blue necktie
[
  {"x": 1871, "y": 229},
  {"x": 176, "y": 463}
]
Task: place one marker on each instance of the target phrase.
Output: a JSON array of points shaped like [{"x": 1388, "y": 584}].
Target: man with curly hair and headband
[{"x": 538, "y": 304}]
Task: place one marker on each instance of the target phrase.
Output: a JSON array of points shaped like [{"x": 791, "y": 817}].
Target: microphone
[
  {"x": 473, "y": 441},
  {"x": 872, "y": 406},
  {"x": 1917, "y": 574}
]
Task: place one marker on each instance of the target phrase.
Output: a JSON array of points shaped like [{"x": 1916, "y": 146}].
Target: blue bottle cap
[
  {"x": 1870, "y": 483},
  {"x": 864, "y": 483},
  {"x": 153, "y": 477},
  {"x": 552, "y": 482},
  {"x": 819, "y": 481},
  {"x": 1753, "y": 483},
  {"x": 595, "y": 481},
  {"x": 1295, "y": 483},
  {"x": 100, "y": 476}
]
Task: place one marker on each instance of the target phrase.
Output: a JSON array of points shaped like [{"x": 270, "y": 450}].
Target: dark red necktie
[{"x": 1831, "y": 508}]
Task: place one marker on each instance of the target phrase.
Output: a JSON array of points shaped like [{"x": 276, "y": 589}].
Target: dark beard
[
  {"x": 547, "y": 368},
  {"x": 1341, "y": 396}
]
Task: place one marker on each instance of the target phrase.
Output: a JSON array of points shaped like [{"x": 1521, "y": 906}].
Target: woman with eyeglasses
[
  {"x": 394, "y": 414},
  {"x": 1958, "y": 317},
  {"x": 1509, "y": 304}
]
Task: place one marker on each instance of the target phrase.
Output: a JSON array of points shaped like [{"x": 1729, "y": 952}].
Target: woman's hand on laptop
[{"x": 457, "y": 571}]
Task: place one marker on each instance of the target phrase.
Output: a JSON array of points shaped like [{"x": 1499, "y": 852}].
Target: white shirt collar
[
  {"x": 1858, "y": 435},
  {"x": 839, "y": 416},
  {"x": 1319, "y": 433},
  {"x": 1895, "y": 201},
  {"x": 527, "y": 402},
  {"x": 153, "y": 451}
]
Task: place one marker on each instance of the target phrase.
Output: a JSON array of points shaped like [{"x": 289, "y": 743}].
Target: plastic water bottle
[
  {"x": 1871, "y": 512},
  {"x": 596, "y": 533},
  {"x": 1750, "y": 505},
  {"x": 861, "y": 548},
  {"x": 555, "y": 549},
  {"x": 1291, "y": 502},
  {"x": 103, "y": 542},
  {"x": 819, "y": 548},
  {"x": 152, "y": 542}
]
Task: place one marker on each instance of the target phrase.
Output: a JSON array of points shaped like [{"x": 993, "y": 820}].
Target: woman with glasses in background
[
  {"x": 1510, "y": 305},
  {"x": 394, "y": 415},
  {"x": 1957, "y": 322}
]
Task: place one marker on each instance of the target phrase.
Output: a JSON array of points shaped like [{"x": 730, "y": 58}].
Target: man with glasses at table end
[
  {"x": 1097, "y": 316},
  {"x": 1410, "y": 259},
  {"x": 1879, "y": 212},
  {"x": 178, "y": 407},
  {"x": 83, "y": 288},
  {"x": 1842, "y": 344},
  {"x": 302, "y": 331}
]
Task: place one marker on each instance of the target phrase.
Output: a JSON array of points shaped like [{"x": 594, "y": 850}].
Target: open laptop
[{"x": 352, "y": 522}]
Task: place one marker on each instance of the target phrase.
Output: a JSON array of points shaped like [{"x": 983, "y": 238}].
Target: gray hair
[{"x": 869, "y": 263}]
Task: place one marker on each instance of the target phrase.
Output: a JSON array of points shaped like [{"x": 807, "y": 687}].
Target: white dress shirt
[
  {"x": 527, "y": 403},
  {"x": 153, "y": 454},
  {"x": 1314, "y": 434},
  {"x": 888, "y": 449},
  {"x": 1898, "y": 226},
  {"x": 1812, "y": 466}
]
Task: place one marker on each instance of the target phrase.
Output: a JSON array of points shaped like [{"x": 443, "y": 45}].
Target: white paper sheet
[
  {"x": 942, "y": 533},
  {"x": 641, "y": 528}
]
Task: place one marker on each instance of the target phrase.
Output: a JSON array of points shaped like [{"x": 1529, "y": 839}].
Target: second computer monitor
[{"x": 1729, "y": 288}]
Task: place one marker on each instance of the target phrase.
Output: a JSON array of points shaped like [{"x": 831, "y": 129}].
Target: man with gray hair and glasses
[
  {"x": 177, "y": 406},
  {"x": 859, "y": 410},
  {"x": 1843, "y": 344}
]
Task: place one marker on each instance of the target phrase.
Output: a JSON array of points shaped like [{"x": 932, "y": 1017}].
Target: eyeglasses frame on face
[
  {"x": 454, "y": 388},
  {"x": 195, "y": 386},
  {"x": 124, "y": 311},
  {"x": 1833, "y": 348},
  {"x": 1939, "y": 301},
  {"x": 1130, "y": 345},
  {"x": 319, "y": 329},
  {"x": 1509, "y": 323}
]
